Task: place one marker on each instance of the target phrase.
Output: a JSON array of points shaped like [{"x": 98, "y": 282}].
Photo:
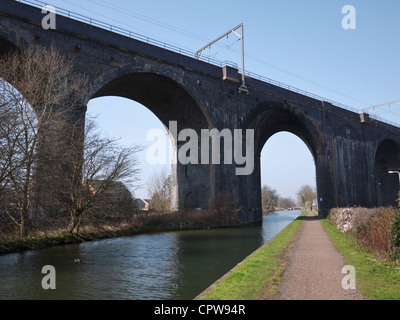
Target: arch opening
[
  {"x": 278, "y": 117},
  {"x": 287, "y": 166},
  {"x": 6, "y": 46},
  {"x": 387, "y": 158},
  {"x": 132, "y": 129},
  {"x": 159, "y": 100},
  {"x": 283, "y": 127}
]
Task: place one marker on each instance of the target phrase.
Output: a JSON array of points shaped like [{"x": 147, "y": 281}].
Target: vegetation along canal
[{"x": 171, "y": 265}]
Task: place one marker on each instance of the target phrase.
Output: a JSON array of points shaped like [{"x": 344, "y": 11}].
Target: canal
[{"x": 165, "y": 266}]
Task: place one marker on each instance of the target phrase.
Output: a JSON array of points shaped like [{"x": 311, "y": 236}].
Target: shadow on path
[{"x": 309, "y": 218}]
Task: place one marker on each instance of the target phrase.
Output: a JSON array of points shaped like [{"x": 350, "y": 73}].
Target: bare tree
[
  {"x": 36, "y": 89},
  {"x": 286, "y": 203},
  {"x": 94, "y": 164},
  {"x": 269, "y": 198},
  {"x": 159, "y": 188},
  {"x": 306, "y": 196},
  {"x": 46, "y": 153}
]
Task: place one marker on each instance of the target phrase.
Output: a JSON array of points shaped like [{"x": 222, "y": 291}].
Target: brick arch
[
  {"x": 271, "y": 117},
  {"x": 169, "y": 100}
]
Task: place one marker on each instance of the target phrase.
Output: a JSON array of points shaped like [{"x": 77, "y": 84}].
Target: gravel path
[{"x": 314, "y": 267}]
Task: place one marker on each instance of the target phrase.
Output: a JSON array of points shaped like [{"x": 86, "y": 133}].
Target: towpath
[{"x": 314, "y": 267}]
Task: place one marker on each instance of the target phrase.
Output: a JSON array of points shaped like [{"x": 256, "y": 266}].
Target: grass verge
[
  {"x": 259, "y": 274},
  {"x": 375, "y": 280}
]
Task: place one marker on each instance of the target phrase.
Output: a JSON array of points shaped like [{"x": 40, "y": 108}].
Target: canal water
[{"x": 165, "y": 266}]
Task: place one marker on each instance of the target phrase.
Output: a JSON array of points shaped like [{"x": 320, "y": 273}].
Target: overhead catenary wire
[
  {"x": 143, "y": 32},
  {"x": 211, "y": 60},
  {"x": 148, "y": 19},
  {"x": 131, "y": 13},
  {"x": 380, "y": 105}
]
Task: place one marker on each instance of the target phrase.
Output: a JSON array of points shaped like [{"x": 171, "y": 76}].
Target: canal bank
[
  {"x": 126, "y": 226},
  {"x": 258, "y": 275}
]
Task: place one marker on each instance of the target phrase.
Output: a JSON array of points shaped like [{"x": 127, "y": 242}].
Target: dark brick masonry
[{"x": 351, "y": 157}]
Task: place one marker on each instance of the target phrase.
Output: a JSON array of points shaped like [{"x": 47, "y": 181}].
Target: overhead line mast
[
  {"x": 364, "y": 111},
  {"x": 199, "y": 52}
]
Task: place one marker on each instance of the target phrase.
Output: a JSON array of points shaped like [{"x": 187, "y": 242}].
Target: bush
[
  {"x": 376, "y": 229},
  {"x": 224, "y": 207},
  {"x": 395, "y": 236},
  {"x": 351, "y": 220},
  {"x": 376, "y": 234},
  {"x": 362, "y": 219}
]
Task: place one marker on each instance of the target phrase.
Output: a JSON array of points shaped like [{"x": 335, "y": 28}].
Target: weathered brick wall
[{"x": 196, "y": 95}]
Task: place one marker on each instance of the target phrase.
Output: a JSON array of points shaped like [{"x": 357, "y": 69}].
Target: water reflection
[
  {"x": 275, "y": 222},
  {"x": 174, "y": 265}
]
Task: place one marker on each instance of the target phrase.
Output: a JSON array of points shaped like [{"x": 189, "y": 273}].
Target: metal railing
[
  {"x": 299, "y": 91},
  {"x": 316, "y": 97},
  {"x": 127, "y": 33},
  {"x": 192, "y": 54},
  {"x": 375, "y": 117}
]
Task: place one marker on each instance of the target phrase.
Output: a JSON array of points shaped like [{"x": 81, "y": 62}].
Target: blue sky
[{"x": 300, "y": 43}]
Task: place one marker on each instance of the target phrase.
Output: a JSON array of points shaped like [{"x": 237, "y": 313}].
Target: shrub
[
  {"x": 376, "y": 229},
  {"x": 362, "y": 219},
  {"x": 342, "y": 218},
  {"x": 376, "y": 234},
  {"x": 224, "y": 207},
  {"x": 351, "y": 220},
  {"x": 395, "y": 236}
]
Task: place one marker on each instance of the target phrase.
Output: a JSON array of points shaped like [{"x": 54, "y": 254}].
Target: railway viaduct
[{"x": 352, "y": 154}]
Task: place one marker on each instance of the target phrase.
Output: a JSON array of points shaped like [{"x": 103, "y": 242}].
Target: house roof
[
  {"x": 115, "y": 187},
  {"x": 143, "y": 200}
]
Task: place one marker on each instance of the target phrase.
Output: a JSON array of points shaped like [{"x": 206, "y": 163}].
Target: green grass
[
  {"x": 259, "y": 274},
  {"x": 375, "y": 280}
]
